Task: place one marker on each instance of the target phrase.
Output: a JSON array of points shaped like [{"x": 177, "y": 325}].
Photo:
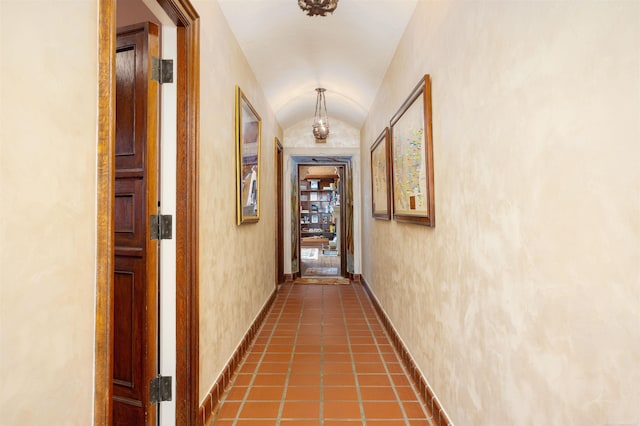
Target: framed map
[
  {"x": 380, "y": 177},
  {"x": 412, "y": 158}
]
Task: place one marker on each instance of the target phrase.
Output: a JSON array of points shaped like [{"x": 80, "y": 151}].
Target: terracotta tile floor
[{"x": 321, "y": 358}]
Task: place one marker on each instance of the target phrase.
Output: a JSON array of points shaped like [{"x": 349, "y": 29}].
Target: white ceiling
[{"x": 291, "y": 53}]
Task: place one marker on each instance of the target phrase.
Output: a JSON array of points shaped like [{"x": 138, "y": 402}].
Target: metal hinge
[
  {"x": 160, "y": 389},
  {"x": 162, "y": 70},
  {"x": 161, "y": 226}
]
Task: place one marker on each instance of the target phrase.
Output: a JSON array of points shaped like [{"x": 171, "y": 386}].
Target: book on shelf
[{"x": 313, "y": 196}]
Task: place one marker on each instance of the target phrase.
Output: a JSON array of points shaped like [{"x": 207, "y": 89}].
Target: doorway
[
  {"x": 321, "y": 212},
  {"x": 185, "y": 20}
]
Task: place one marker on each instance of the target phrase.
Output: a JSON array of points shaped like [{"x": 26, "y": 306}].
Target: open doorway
[
  {"x": 184, "y": 23},
  {"x": 321, "y": 231}
]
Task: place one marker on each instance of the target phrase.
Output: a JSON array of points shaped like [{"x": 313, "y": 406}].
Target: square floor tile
[
  {"x": 304, "y": 379},
  {"x": 260, "y": 410},
  {"x": 236, "y": 393},
  {"x": 339, "y": 380},
  {"x": 303, "y": 393},
  {"x": 414, "y": 410},
  {"x": 373, "y": 380},
  {"x": 337, "y": 368},
  {"x": 270, "y": 379},
  {"x": 228, "y": 410},
  {"x": 340, "y": 393},
  {"x": 342, "y": 410},
  {"x": 265, "y": 393},
  {"x": 378, "y": 393},
  {"x": 370, "y": 368},
  {"x": 301, "y": 410},
  {"x": 382, "y": 410}
]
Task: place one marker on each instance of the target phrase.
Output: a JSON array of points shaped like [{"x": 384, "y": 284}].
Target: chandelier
[
  {"x": 320, "y": 118},
  {"x": 318, "y": 7}
]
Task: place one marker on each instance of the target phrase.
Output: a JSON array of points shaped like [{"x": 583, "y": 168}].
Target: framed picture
[
  {"x": 412, "y": 158},
  {"x": 380, "y": 177},
  {"x": 248, "y": 137}
]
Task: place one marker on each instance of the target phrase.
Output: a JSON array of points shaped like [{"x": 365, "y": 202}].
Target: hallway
[{"x": 321, "y": 357}]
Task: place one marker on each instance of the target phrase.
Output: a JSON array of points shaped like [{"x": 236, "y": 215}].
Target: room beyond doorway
[{"x": 321, "y": 231}]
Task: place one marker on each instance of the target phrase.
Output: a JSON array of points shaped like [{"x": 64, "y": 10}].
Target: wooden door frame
[
  {"x": 279, "y": 166},
  {"x": 343, "y": 214},
  {"x": 188, "y": 84}
]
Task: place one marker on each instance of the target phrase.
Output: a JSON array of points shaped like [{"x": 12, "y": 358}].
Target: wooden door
[{"x": 136, "y": 197}]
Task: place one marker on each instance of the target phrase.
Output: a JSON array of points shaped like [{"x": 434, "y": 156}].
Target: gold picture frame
[
  {"x": 248, "y": 145},
  {"x": 412, "y": 158},
  {"x": 380, "y": 177}
]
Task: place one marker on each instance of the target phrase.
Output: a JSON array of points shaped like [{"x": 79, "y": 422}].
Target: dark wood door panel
[
  {"x": 131, "y": 100},
  {"x": 128, "y": 366},
  {"x": 127, "y": 412},
  {"x": 130, "y": 213}
]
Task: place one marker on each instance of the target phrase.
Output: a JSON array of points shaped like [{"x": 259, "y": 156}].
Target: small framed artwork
[
  {"x": 380, "y": 177},
  {"x": 248, "y": 138},
  {"x": 412, "y": 158}
]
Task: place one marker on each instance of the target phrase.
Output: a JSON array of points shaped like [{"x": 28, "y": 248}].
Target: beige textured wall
[
  {"x": 237, "y": 263},
  {"x": 522, "y": 307},
  {"x": 48, "y": 99}
]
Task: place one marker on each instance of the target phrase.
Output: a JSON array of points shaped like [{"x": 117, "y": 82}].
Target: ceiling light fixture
[
  {"x": 320, "y": 118},
  {"x": 318, "y": 7}
]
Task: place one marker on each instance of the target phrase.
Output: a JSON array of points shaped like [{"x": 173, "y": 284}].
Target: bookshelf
[{"x": 319, "y": 206}]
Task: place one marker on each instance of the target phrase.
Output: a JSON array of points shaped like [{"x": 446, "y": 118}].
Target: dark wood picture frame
[
  {"x": 248, "y": 141},
  {"x": 381, "y": 177},
  {"x": 412, "y": 158}
]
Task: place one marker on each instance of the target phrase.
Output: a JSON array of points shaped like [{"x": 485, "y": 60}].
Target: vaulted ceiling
[{"x": 291, "y": 53}]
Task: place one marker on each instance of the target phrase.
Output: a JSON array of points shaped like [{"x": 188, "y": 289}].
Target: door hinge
[
  {"x": 161, "y": 226},
  {"x": 162, "y": 70},
  {"x": 160, "y": 389}
]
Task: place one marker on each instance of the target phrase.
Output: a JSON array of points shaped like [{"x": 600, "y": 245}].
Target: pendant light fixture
[
  {"x": 318, "y": 7},
  {"x": 320, "y": 118}
]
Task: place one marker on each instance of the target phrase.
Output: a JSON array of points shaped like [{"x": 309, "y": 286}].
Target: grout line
[
  {"x": 293, "y": 352},
  {"x": 352, "y": 306},
  {"x": 353, "y": 362},
  {"x": 259, "y": 363},
  {"x": 384, "y": 363}
]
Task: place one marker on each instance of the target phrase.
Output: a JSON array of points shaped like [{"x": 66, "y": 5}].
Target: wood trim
[
  {"x": 103, "y": 387},
  {"x": 439, "y": 416},
  {"x": 356, "y": 278},
  {"x": 279, "y": 181},
  {"x": 208, "y": 407},
  {"x": 187, "y": 246}
]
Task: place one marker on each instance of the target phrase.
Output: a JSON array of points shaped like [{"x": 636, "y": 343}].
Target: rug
[
  {"x": 309, "y": 253},
  {"x": 321, "y": 271},
  {"x": 323, "y": 281}
]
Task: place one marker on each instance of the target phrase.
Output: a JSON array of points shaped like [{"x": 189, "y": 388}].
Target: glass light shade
[{"x": 320, "y": 118}]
